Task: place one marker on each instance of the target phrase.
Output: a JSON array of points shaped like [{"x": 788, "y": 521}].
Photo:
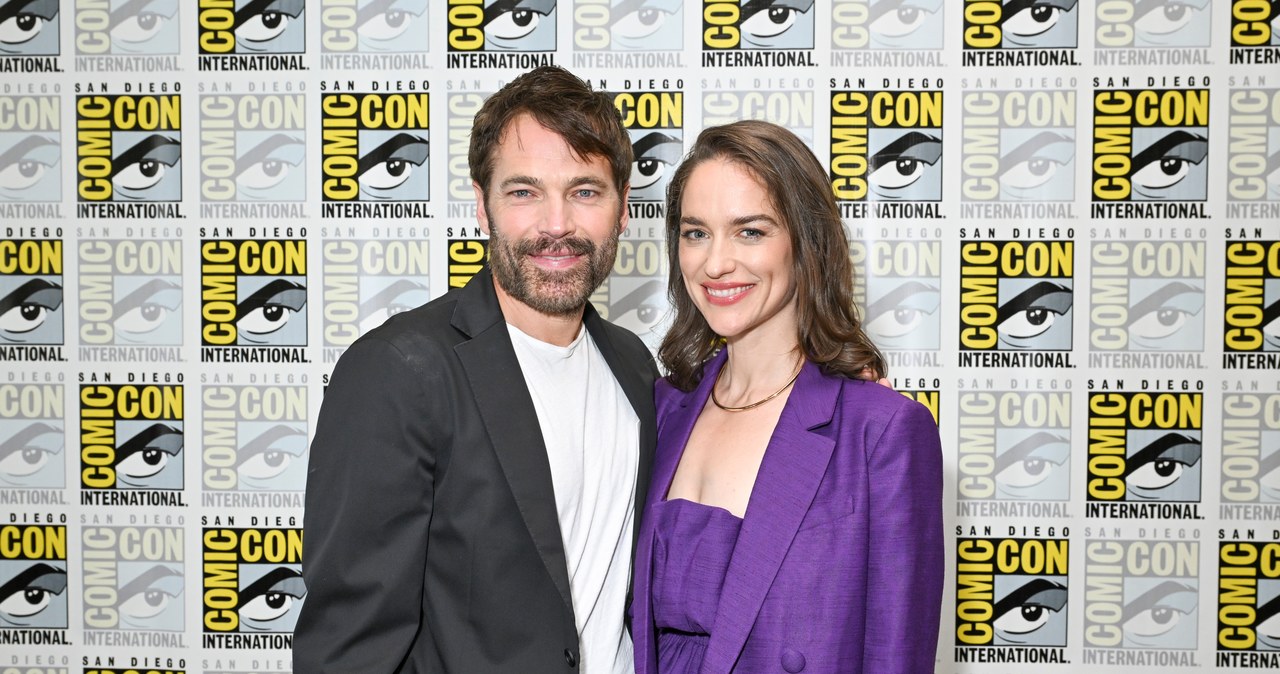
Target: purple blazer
[{"x": 839, "y": 563}]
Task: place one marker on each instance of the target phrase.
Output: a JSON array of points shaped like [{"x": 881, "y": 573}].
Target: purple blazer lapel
[
  {"x": 794, "y": 464},
  {"x": 673, "y": 434}
]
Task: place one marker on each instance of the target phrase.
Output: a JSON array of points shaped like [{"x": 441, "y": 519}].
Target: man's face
[{"x": 553, "y": 219}]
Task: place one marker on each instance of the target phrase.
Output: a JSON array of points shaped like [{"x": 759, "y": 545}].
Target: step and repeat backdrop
[{"x": 1065, "y": 214}]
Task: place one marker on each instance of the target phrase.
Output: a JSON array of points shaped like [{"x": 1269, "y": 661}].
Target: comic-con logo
[
  {"x": 374, "y": 148},
  {"x": 791, "y": 109},
  {"x": 1012, "y": 592},
  {"x": 502, "y": 30},
  {"x": 131, "y": 437},
  {"x": 374, "y": 26},
  {"x": 1149, "y": 145},
  {"x": 635, "y": 294},
  {"x": 1016, "y": 296},
  {"x": 1019, "y": 146},
  {"x": 130, "y": 292},
  {"x": 886, "y": 145},
  {"x": 367, "y": 282},
  {"x": 628, "y": 25},
  {"x": 466, "y": 258},
  {"x": 29, "y": 28},
  {"x": 462, "y": 106},
  {"x": 1252, "y": 172},
  {"x": 251, "y": 26},
  {"x": 124, "y": 27},
  {"x": 1144, "y": 450},
  {"x": 255, "y": 440},
  {"x": 901, "y": 284},
  {"x": 1015, "y": 446},
  {"x": 252, "y": 147},
  {"x": 129, "y": 148},
  {"x": 30, "y": 148},
  {"x": 252, "y": 583},
  {"x": 886, "y": 24},
  {"x": 32, "y": 436},
  {"x": 1168, "y": 25},
  {"x": 253, "y": 292},
  {"x": 1141, "y": 594},
  {"x": 31, "y": 310},
  {"x": 133, "y": 578},
  {"x": 655, "y": 123},
  {"x": 1015, "y": 24},
  {"x": 1248, "y": 633},
  {"x": 1147, "y": 296},
  {"x": 1250, "y": 453},
  {"x": 1251, "y": 330},
  {"x": 1255, "y": 31},
  {"x": 743, "y": 24},
  {"x": 33, "y": 578}
]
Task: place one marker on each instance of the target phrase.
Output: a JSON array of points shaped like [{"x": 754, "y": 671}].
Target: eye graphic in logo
[
  {"x": 272, "y": 313},
  {"x": 1270, "y": 317},
  {"x": 392, "y": 26},
  {"x": 905, "y": 24},
  {"x": 1166, "y": 467},
  {"x": 151, "y": 456},
  {"x": 29, "y": 28},
  {"x": 272, "y": 600},
  {"x": 903, "y": 316},
  {"x": 1029, "y": 612},
  {"x": 32, "y": 594},
  {"x": 641, "y": 307},
  {"x": 1169, "y": 166},
  {"x": 273, "y": 457},
  {"x": 31, "y": 453},
  {"x": 1038, "y": 166},
  {"x": 148, "y": 170},
  {"x": 148, "y": 311},
  {"x": 1161, "y": 615},
  {"x": 144, "y": 27},
  {"x": 1269, "y": 470},
  {"x": 656, "y": 154},
  {"x": 386, "y": 298},
  {"x": 777, "y": 24},
  {"x": 30, "y": 310},
  {"x": 1038, "y": 24},
  {"x": 151, "y": 599},
  {"x": 1165, "y": 316},
  {"x": 906, "y": 166},
  {"x": 647, "y": 25},
  {"x": 1171, "y": 23},
  {"x": 270, "y": 26},
  {"x": 1033, "y": 464},
  {"x": 395, "y": 169},
  {"x": 269, "y": 169},
  {"x": 1037, "y": 316},
  {"x": 27, "y": 167},
  {"x": 525, "y": 25}
]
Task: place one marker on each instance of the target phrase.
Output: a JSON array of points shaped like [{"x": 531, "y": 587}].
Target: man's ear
[
  {"x": 625, "y": 218},
  {"x": 482, "y": 216}
]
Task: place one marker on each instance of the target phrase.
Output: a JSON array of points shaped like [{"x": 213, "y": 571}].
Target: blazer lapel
[
  {"x": 507, "y": 412},
  {"x": 675, "y": 431},
  {"x": 794, "y": 464}
]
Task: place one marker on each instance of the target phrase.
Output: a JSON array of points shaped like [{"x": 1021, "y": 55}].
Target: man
[{"x": 479, "y": 462}]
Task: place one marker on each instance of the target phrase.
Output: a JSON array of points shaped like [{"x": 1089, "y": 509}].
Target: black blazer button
[{"x": 569, "y": 659}]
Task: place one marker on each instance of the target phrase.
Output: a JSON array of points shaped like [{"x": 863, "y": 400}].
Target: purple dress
[{"x": 692, "y": 545}]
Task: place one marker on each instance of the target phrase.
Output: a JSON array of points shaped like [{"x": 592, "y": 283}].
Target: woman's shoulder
[{"x": 877, "y": 401}]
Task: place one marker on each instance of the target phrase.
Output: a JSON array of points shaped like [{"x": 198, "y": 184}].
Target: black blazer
[{"x": 431, "y": 538}]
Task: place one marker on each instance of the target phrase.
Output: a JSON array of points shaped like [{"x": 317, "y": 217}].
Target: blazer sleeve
[
  {"x": 368, "y": 510},
  {"x": 905, "y": 560}
]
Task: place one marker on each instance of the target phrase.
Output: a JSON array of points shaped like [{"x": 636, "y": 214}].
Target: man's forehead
[{"x": 524, "y": 135}]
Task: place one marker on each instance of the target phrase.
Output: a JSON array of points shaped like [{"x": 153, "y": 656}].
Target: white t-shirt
[{"x": 592, "y": 436}]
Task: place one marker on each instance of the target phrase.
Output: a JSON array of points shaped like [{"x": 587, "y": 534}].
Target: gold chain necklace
[{"x": 757, "y": 403}]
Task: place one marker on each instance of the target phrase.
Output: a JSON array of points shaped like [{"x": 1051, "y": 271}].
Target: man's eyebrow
[
  {"x": 520, "y": 180},
  {"x": 588, "y": 180}
]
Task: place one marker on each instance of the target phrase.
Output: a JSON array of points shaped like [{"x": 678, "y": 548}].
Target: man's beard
[{"x": 552, "y": 292}]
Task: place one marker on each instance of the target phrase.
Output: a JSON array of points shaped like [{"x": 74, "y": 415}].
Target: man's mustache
[{"x": 571, "y": 245}]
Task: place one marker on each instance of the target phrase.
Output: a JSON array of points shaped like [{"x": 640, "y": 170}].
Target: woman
[{"x": 794, "y": 519}]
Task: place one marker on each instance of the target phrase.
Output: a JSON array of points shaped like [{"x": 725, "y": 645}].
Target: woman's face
[{"x": 735, "y": 254}]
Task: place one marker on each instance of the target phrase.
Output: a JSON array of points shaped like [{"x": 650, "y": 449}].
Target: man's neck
[{"x": 559, "y": 330}]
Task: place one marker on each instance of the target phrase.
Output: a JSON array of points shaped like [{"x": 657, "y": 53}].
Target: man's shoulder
[{"x": 424, "y": 328}]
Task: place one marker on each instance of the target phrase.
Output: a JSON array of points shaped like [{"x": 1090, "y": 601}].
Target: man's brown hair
[{"x": 587, "y": 120}]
